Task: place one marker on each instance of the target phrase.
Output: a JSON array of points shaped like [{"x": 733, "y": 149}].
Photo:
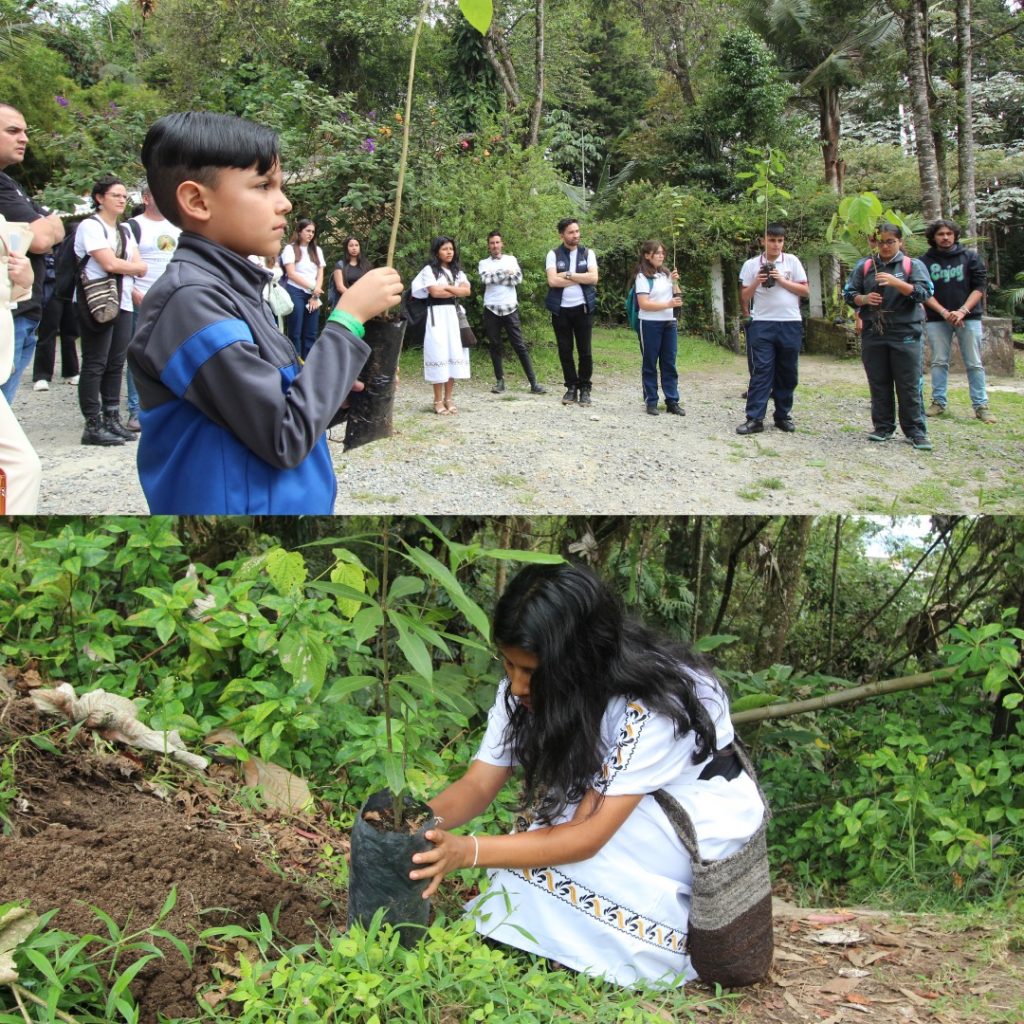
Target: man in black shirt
[{"x": 47, "y": 230}]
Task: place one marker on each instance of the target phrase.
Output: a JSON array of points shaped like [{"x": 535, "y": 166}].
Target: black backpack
[
  {"x": 65, "y": 265},
  {"x": 414, "y": 313}
]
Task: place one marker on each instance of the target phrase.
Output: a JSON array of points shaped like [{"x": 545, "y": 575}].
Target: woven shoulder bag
[{"x": 730, "y": 933}]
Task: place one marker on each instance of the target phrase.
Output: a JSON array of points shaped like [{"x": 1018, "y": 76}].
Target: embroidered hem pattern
[{"x": 606, "y": 911}]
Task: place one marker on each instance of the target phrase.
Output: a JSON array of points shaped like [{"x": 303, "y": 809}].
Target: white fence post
[{"x": 717, "y": 295}]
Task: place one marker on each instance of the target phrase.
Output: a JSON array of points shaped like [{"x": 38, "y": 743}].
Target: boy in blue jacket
[{"x": 232, "y": 421}]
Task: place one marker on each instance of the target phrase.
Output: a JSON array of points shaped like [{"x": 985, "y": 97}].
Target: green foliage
[
  {"x": 853, "y": 226},
  {"x": 450, "y": 974},
  {"x": 85, "y": 977},
  {"x": 917, "y": 802},
  {"x": 762, "y": 186}
]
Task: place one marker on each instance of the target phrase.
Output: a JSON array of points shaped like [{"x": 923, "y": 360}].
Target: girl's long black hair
[
  {"x": 435, "y": 261},
  {"x": 588, "y": 651}
]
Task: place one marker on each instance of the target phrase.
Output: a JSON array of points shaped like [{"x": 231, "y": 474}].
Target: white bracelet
[{"x": 476, "y": 849}]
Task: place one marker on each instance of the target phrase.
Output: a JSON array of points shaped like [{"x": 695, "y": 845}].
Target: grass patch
[
  {"x": 872, "y": 503},
  {"x": 509, "y": 480},
  {"x": 369, "y": 496},
  {"x": 616, "y": 351},
  {"x": 930, "y": 494}
]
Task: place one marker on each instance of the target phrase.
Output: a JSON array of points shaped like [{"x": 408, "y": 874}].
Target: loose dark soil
[
  {"x": 89, "y": 830},
  {"x": 92, "y": 828}
]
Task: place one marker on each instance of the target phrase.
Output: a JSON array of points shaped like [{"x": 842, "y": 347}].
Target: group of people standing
[{"x": 899, "y": 301}]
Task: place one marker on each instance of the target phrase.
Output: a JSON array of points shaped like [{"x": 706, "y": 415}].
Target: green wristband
[{"x": 348, "y": 321}]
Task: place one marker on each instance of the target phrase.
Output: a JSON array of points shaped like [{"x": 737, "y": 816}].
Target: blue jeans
[
  {"x": 968, "y": 334},
  {"x": 775, "y": 348},
  {"x": 24, "y": 350},
  {"x": 658, "y": 341},
  {"x": 301, "y": 325}
]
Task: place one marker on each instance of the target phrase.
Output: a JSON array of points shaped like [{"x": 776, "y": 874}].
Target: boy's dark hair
[
  {"x": 933, "y": 229},
  {"x": 775, "y": 230},
  {"x": 495, "y": 234},
  {"x": 196, "y": 146},
  {"x": 565, "y": 222}
]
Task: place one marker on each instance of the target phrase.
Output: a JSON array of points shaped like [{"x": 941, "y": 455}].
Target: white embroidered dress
[
  {"x": 443, "y": 355},
  {"x": 623, "y": 914}
]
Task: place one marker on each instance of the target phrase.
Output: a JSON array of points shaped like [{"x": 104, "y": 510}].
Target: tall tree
[
  {"x": 965, "y": 117},
  {"x": 537, "y": 106},
  {"x": 912, "y": 25},
  {"x": 820, "y": 45}
]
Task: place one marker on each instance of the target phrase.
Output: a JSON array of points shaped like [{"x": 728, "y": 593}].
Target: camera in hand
[{"x": 768, "y": 268}]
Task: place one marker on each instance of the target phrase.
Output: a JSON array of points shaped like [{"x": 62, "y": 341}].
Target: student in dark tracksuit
[
  {"x": 888, "y": 291},
  {"x": 232, "y": 421}
]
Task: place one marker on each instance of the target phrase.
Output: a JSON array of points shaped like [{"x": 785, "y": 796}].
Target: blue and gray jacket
[
  {"x": 232, "y": 422},
  {"x": 898, "y": 308}
]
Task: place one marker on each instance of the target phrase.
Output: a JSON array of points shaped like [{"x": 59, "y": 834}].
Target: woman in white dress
[
  {"x": 442, "y": 283},
  {"x": 599, "y": 712}
]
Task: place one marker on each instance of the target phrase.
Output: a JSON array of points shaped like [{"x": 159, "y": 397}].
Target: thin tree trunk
[
  {"x": 964, "y": 118},
  {"x": 537, "y": 107},
  {"x": 780, "y": 600},
  {"x": 699, "y": 579},
  {"x": 835, "y": 592},
  {"x": 497, "y": 57},
  {"x": 927, "y": 164},
  {"x": 830, "y": 126}
]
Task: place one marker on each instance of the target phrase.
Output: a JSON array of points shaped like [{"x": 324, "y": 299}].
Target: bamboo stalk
[
  {"x": 403, "y": 159},
  {"x": 855, "y": 693}
]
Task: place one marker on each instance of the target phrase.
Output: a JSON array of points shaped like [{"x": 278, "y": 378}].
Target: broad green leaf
[
  {"x": 412, "y": 646},
  {"x": 366, "y": 623},
  {"x": 403, "y": 586},
  {"x": 287, "y": 570},
  {"x": 393, "y": 774},
  {"x": 441, "y": 574},
  {"x": 709, "y": 643},
  {"x": 304, "y": 655},
  {"x": 352, "y": 576},
  {"x": 478, "y": 13}
]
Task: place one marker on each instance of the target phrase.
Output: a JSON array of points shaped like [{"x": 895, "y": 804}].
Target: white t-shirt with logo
[
  {"x": 94, "y": 234},
  {"x": 304, "y": 266},
  {"x": 657, "y": 289},
  {"x": 774, "y": 303},
  {"x": 157, "y": 241},
  {"x": 573, "y": 294}
]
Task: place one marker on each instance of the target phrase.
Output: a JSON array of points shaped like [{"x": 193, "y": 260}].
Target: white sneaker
[
  {"x": 73, "y": 381},
  {"x": 41, "y": 385}
]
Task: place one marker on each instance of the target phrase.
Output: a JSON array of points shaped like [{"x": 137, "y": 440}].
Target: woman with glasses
[
  {"x": 105, "y": 249},
  {"x": 888, "y": 290}
]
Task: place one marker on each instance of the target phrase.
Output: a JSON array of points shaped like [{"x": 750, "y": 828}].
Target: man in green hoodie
[{"x": 955, "y": 309}]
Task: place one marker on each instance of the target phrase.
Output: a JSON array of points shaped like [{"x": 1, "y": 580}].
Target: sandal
[
  {"x": 440, "y": 409},
  {"x": 451, "y": 407}
]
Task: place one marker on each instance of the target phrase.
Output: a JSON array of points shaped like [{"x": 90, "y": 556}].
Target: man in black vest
[
  {"x": 571, "y": 299},
  {"x": 47, "y": 230}
]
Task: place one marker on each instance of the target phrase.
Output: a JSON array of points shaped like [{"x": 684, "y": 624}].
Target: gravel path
[{"x": 523, "y": 454}]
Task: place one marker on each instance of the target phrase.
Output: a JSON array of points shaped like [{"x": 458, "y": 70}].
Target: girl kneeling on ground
[{"x": 600, "y": 712}]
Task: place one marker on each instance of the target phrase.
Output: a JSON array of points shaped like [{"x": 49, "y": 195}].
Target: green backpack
[{"x": 633, "y": 307}]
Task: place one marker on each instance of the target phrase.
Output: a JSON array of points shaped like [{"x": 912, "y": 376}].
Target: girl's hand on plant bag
[
  {"x": 450, "y": 853},
  {"x": 376, "y": 291}
]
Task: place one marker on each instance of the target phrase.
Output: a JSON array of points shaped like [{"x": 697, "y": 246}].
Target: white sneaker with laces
[{"x": 41, "y": 385}]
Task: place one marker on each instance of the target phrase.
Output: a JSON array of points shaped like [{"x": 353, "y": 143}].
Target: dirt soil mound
[{"x": 89, "y": 830}]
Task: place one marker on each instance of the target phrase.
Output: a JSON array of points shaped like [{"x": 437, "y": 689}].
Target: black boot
[
  {"x": 96, "y": 433},
  {"x": 113, "y": 425},
  {"x": 499, "y": 386}
]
